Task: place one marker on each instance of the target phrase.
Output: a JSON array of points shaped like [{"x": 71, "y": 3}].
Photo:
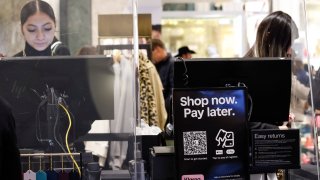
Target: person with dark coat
[
  {"x": 38, "y": 26},
  {"x": 164, "y": 65},
  {"x": 10, "y": 165}
]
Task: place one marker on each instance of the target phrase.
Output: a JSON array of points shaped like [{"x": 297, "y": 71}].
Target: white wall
[
  {"x": 292, "y": 7},
  {"x": 153, "y": 7},
  {"x": 55, "y": 6},
  {"x": 107, "y": 7}
]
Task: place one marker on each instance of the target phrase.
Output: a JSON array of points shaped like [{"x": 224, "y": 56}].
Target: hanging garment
[
  {"x": 158, "y": 93},
  {"x": 63, "y": 175},
  {"x": 270, "y": 176},
  {"x": 148, "y": 110},
  {"x": 152, "y": 104},
  {"x": 123, "y": 110},
  {"x": 98, "y": 148},
  {"x": 29, "y": 175},
  {"x": 52, "y": 175},
  {"x": 41, "y": 175},
  {"x": 74, "y": 175}
]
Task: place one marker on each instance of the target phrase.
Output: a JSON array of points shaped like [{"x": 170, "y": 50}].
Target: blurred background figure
[
  {"x": 299, "y": 71},
  {"x": 185, "y": 52},
  {"x": 88, "y": 50},
  {"x": 2, "y": 55},
  {"x": 163, "y": 62},
  {"x": 156, "y": 31},
  {"x": 212, "y": 51}
]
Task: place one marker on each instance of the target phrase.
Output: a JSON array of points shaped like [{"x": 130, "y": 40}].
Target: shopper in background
[
  {"x": 185, "y": 52},
  {"x": 38, "y": 25},
  {"x": 2, "y": 55},
  {"x": 274, "y": 38},
  {"x": 164, "y": 65},
  {"x": 312, "y": 72},
  {"x": 156, "y": 31},
  {"x": 10, "y": 166},
  {"x": 88, "y": 50},
  {"x": 300, "y": 72},
  {"x": 315, "y": 92}
]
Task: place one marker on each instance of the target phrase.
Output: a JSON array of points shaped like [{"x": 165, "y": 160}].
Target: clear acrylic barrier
[
  {"x": 99, "y": 93},
  {"x": 302, "y": 109},
  {"x": 234, "y": 25},
  {"x": 79, "y": 29},
  {"x": 303, "y": 100},
  {"x": 306, "y": 118}
]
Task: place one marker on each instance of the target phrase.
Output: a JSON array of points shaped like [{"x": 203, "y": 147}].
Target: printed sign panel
[
  {"x": 210, "y": 133},
  {"x": 275, "y": 149}
]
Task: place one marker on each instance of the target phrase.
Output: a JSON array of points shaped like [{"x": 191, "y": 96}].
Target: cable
[
  {"x": 66, "y": 138},
  {"x": 185, "y": 74},
  {"x": 241, "y": 84},
  {"x": 37, "y": 119},
  {"x": 63, "y": 101},
  {"x": 38, "y": 125},
  {"x": 250, "y": 108},
  {"x": 54, "y": 132}
]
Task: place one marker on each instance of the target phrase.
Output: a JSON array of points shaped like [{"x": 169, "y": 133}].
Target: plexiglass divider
[
  {"x": 59, "y": 69},
  {"x": 70, "y": 95}
]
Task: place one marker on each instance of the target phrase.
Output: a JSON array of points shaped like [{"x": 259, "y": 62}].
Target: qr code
[{"x": 195, "y": 142}]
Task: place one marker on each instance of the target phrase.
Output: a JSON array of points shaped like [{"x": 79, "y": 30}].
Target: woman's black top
[
  {"x": 25, "y": 121},
  {"x": 60, "y": 50},
  {"x": 10, "y": 165}
]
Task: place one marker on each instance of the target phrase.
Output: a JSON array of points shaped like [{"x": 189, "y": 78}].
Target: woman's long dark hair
[
  {"x": 33, "y": 7},
  {"x": 275, "y": 36}
]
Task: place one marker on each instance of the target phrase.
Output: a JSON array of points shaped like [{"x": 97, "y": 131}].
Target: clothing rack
[
  {"x": 50, "y": 154},
  {"x": 147, "y": 47},
  {"x": 47, "y": 158},
  {"x": 106, "y": 137}
]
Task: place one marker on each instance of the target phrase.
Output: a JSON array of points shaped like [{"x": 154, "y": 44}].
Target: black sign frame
[{"x": 231, "y": 162}]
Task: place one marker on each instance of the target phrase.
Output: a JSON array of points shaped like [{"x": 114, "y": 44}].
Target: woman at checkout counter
[
  {"x": 275, "y": 36},
  {"x": 38, "y": 25}
]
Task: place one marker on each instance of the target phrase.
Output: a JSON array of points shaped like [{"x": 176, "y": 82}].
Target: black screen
[
  {"x": 84, "y": 83},
  {"x": 268, "y": 81}
]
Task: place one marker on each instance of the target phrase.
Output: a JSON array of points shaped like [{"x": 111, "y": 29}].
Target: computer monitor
[
  {"x": 34, "y": 85},
  {"x": 268, "y": 82}
]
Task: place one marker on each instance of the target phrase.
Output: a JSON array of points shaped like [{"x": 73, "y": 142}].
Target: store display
[
  {"x": 52, "y": 166},
  {"x": 213, "y": 28}
]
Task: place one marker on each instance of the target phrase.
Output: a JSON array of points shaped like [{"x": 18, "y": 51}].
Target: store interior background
[{"x": 213, "y": 28}]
